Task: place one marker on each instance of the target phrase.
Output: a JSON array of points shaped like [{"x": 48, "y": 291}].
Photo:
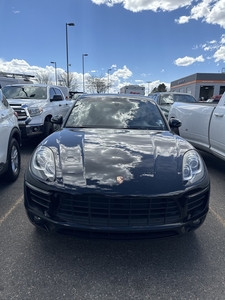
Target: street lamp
[
  {"x": 108, "y": 79},
  {"x": 148, "y": 86},
  {"x": 54, "y": 62},
  {"x": 67, "y": 55},
  {"x": 83, "y": 55}
]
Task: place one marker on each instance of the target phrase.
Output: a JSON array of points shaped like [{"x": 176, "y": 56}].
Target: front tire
[
  {"x": 48, "y": 129},
  {"x": 14, "y": 161}
]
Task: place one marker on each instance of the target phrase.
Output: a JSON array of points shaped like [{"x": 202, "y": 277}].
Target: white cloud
[
  {"x": 17, "y": 66},
  {"x": 210, "y": 11},
  {"x": 140, "y": 5},
  {"x": 212, "y": 45},
  {"x": 222, "y": 41},
  {"x": 123, "y": 73},
  {"x": 195, "y": 47},
  {"x": 216, "y": 14},
  {"x": 119, "y": 76},
  {"x": 143, "y": 75},
  {"x": 220, "y": 54},
  {"x": 15, "y": 11},
  {"x": 182, "y": 20},
  {"x": 187, "y": 61},
  {"x": 22, "y": 67}
]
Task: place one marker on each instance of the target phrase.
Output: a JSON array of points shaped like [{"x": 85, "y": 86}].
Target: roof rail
[{"x": 13, "y": 75}]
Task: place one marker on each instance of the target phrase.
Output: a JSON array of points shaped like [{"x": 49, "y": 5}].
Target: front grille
[
  {"x": 102, "y": 211},
  {"x": 196, "y": 203},
  {"x": 96, "y": 210},
  {"x": 39, "y": 199},
  {"x": 22, "y": 113}
]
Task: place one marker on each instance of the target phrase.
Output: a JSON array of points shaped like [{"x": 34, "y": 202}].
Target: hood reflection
[{"x": 95, "y": 158}]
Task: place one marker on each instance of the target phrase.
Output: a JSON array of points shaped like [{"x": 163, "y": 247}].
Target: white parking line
[
  {"x": 11, "y": 210},
  {"x": 219, "y": 218}
]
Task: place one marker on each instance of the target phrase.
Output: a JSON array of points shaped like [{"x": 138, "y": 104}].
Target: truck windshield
[{"x": 25, "y": 92}]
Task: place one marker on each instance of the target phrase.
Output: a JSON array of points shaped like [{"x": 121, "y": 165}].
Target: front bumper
[
  {"x": 116, "y": 218},
  {"x": 31, "y": 130}
]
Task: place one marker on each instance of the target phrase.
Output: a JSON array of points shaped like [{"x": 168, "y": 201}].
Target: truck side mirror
[
  {"x": 58, "y": 119},
  {"x": 174, "y": 123},
  {"x": 56, "y": 98}
]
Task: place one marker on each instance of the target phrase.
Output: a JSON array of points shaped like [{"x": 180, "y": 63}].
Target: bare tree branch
[
  {"x": 96, "y": 84},
  {"x": 62, "y": 80},
  {"x": 43, "y": 78}
]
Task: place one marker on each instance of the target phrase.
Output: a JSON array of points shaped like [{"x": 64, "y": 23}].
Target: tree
[
  {"x": 62, "y": 80},
  {"x": 155, "y": 90},
  {"x": 43, "y": 77},
  {"x": 96, "y": 84},
  {"x": 161, "y": 88}
]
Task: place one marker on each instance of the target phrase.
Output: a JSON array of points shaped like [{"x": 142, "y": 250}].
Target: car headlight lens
[
  {"x": 43, "y": 163},
  {"x": 35, "y": 111},
  {"x": 193, "y": 169}
]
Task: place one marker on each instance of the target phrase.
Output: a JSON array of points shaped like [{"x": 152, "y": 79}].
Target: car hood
[{"x": 118, "y": 161}]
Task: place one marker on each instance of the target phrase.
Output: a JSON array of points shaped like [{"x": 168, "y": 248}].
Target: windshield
[
  {"x": 169, "y": 99},
  {"x": 166, "y": 99},
  {"x": 25, "y": 92},
  {"x": 184, "y": 98},
  {"x": 109, "y": 112}
]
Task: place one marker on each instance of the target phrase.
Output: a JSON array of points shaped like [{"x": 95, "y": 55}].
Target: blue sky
[{"x": 140, "y": 41}]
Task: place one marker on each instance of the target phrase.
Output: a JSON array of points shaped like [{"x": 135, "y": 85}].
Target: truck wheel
[
  {"x": 48, "y": 129},
  {"x": 14, "y": 161}
]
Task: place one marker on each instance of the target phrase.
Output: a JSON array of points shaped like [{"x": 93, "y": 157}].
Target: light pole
[
  {"x": 67, "y": 55},
  {"x": 108, "y": 79},
  {"x": 83, "y": 55},
  {"x": 148, "y": 86},
  {"x": 54, "y": 62}
]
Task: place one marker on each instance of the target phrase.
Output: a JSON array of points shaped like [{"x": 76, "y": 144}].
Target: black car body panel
[{"x": 116, "y": 183}]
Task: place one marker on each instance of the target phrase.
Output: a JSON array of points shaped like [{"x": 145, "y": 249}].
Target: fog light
[
  {"x": 196, "y": 222},
  {"x": 37, "y": 219},
  {"x": 183, "y": 229}
]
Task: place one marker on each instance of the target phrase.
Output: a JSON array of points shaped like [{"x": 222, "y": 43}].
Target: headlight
[
  {"x": 193, "y": 169},
  {"x": 43, "y": 163},
  {"x": 35, "y": 111}
]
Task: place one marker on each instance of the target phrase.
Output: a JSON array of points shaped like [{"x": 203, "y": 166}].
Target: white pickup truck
[
  {"x": 203, "y": 124},
  {"x": 35, "y": 105}
]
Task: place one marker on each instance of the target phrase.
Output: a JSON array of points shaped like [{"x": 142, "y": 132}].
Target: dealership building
[{"x": 200, "y": 85}]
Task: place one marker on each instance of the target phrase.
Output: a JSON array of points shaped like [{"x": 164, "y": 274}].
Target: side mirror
[
  {"x": 174, "y": 123},
  {"x": 57, "y": 98},
  {"x": 58, "y": 119}
]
